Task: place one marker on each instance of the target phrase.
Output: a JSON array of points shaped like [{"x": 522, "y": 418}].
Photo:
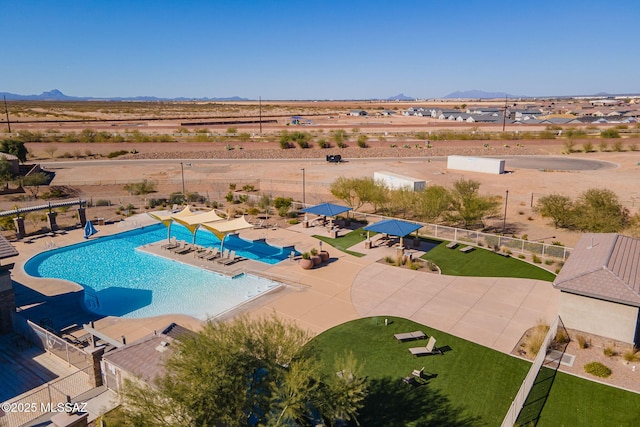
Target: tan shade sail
[
  {"x": 221, "y": 228},
  {"x": 166, "y": 217},
  {"x": 191, "y": 222}
]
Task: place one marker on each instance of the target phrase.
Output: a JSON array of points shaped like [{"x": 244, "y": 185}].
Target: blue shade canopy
[
  {"x": 89, "y": 230},
  {"x": 326, "y": 209},
  {"x": 393, "y": 227}
]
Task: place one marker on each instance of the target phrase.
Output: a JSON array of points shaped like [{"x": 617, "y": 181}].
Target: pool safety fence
[
  {"x": 48, "y": 340},
  {"x": 525, "y": 388},
  {"x": 45, "y": 400}
]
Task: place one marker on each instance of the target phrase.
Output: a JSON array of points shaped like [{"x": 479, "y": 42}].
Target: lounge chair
[
  {"x": 185, "y": 250},
  {"x": 215, "y": 252},
  {"x": 430, "y": 348},
  {"x": 418, "y": 372},
  {"x": 466, "y": 249},
  {"x": 224, "y": 255},
  {"x": 171, "y": 245},
  {"x": 452, "y": 245},
  {"x": 230, "y": 259},
  {"x": 204, "y": 253},
  {"x": 409, "y": 336},
  {"x": 181, "y": 244}
]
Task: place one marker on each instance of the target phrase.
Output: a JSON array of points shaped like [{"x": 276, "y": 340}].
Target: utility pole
[
  {"x": 182, "y": 172},
  {"x": 504, "y": 221},
  {"x": 504, "y": 116},
  {"x": 260, "y": 108},
  {"x": 304, "y": 200},
  {"x": 6, "y": 110}
]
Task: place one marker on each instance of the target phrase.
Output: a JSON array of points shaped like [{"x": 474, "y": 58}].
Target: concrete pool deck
[{"x": 494, "y": 312}]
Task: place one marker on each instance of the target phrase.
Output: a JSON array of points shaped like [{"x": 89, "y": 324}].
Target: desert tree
[
  {"x": 557, "y": 207},
  {"x": 401, "y": 201},
  {"x": 34, "y": 181},
  {"x": 17, "y": 148},
  {"x": 467, "y": 205},
  {"x": 600, "y": 211},
  {"x": 242, "y": 372},
  {"x": 432, "y": 203},
  {"x": 343, "y": 189}
]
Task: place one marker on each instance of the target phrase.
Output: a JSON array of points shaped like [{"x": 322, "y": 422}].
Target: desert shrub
[
  {"x": 610, "y": 133},
  {"x": 597, "y": 369},
  {"x": 631, "y": 355},
  {"x": 548, "y": 261},
  {"x": 562, "y": 337},
  {"x": 521, "y": 256},
  {"x": 323, "y": 143},
  {"x": 536, "y": 259},
  {"x": 306, "y": 255},
  {"x": 609, "y": 351},
  {"x": 232, "y": 130},
  {"x": 294, "y": 221},
  {"x": 157, "y": 202},
  {"x": 341, "y": 144},
  {"x": 583, "y": 342},
  {"x": 535, "y": 339},
  {"x": 633, "y": 147},
  {"x": 103, "y": 202},
  {"x": 603, "y": 146},
  {"x": 587, "y": 147},
  {"x": 618, "y": 146},
  {"x": 253, "y": 211},
  {"x": 118, "y": 153},
  {"x": 569, "y": 146},
  {"x": 389, "y": 259},
  {"x": 362, "y": 141}
]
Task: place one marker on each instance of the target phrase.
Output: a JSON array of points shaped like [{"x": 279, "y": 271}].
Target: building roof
[
  {"x": 146, "y": 357},
  {"x": 6, "y": 250},
  {"x": 604, "y": 266}
]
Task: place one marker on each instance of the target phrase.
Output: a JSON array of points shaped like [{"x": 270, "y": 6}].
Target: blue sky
[{"x": 347, "y": 49}]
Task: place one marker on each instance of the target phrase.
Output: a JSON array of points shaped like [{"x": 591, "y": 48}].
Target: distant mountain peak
[{"x": 401, "y": 97}]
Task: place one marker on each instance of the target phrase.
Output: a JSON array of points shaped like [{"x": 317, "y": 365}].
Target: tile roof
[{"x": 604, "y": 266}]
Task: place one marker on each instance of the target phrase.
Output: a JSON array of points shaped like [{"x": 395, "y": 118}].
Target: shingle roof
[
  {"x": 146, "y": 357},
  {"x": 6, "y": 250},
  {"x": 604, "y": 266}
]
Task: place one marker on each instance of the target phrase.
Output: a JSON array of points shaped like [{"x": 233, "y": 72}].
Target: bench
[
  {"x": 452, "y": 245},
  {"x": 466, "y": 249}
]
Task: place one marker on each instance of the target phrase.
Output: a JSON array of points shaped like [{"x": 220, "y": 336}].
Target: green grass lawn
[
  {"x": 483, "y": 263},
  {"x": 559, "y": 399},
  {"x": 343, "y": 242},
  {"x": 471, "y": 385}
]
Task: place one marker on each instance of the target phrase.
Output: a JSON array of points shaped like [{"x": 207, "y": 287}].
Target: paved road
[{"x": 512, "y": 162}]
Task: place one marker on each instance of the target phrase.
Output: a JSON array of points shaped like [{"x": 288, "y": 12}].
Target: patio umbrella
[{"x": 89, "y": 230}]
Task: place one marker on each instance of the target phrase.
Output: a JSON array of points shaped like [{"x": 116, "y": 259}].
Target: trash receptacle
[{"x": 100, "y": 221}]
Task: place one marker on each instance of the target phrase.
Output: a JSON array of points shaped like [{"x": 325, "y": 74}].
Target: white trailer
[
  {"x": 476, "y": 164},
  {"x": 395, "y": 181}
]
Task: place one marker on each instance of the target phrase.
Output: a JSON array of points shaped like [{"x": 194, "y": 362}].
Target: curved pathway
[{"x": 494, "y": 312}]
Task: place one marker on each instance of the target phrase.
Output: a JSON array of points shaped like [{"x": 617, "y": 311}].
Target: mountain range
[{"x": 56, "y": 95}]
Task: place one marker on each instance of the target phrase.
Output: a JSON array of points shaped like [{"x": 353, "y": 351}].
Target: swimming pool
[{"x": 122, "y": 281}]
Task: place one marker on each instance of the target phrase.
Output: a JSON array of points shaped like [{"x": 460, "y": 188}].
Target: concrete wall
[
  {"x": 607, "y": 319},
  {"x": 395, "y": 181},
  {"x": 476, "y": 164}
]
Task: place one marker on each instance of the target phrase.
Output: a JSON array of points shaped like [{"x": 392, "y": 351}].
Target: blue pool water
[{"x": 120, "y": 280}]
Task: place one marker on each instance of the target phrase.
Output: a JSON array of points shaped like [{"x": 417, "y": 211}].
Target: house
[
  {"x": 357, "y": 113},
  {"x": 143, "y": 359},
  {"x": 600, "y": 287}
]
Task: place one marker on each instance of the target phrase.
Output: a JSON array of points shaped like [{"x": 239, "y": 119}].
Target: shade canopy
[
  {"x": 191, "y": 222},
  {"x": 393, "y": 227},
  {"x": 222, "y": 228},
  {"x": 326, "y": 209},
  {"x": 167, "y": 217}
]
